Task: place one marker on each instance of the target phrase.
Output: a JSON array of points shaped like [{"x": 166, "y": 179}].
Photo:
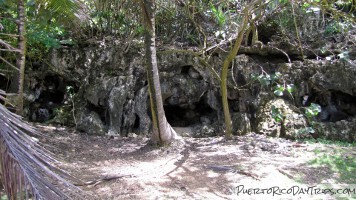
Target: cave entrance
[
  {"x": 189, "y": 115},
  {"x": 335, "y": 105},
  {"x": 50, "y": 94}
]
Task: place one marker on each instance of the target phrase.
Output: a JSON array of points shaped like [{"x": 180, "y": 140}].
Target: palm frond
[
  {"x": 27, "y": 169},
  {"x": 71, "y": 10}
]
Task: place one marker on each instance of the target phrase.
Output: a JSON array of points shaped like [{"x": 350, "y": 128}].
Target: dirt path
[{"x": 205, "y": 168}]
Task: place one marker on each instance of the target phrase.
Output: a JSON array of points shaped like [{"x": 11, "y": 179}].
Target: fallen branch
[
  {"x": 100, "y": 180},
  {"x": 10, "y": 35},
  {"x": 11, "y": 65},
  {"x": 26, "y": 167}
]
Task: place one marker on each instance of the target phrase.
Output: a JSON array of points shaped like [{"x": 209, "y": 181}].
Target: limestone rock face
[
  {"x": 111, "y": 91},
  {"x": 241, "y": 123},
  {"x": 113, "y": 85},
  {"x": 90, "y": 123},
  {"x": 288, "y": 127},
  {"x": 344, "y": 130},
  {"x": 338, "y": 76}
]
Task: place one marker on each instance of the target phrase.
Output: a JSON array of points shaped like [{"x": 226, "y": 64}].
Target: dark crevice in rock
[
  {"x": 48, "y": 95},
  {"x": 189, "y": 115},
  {"x": 52, "y": 89},
  {"x": 185, "y": 69},
  {"x": 137, "y": 122},
  {"x": 345, "y": 102},
  {"x": 5, "y": 82},
  {"x": 101, "y": 111},
  {"x": 335, "y": 105},
  {"x": 114, "y": 98}
]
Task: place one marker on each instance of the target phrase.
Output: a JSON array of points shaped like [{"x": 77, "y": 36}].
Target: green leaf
[
  {"x": 315, "y": 107},
  {"x": 312, "y": 110},
  {"x": 219, "y": 14},
  {"x": 254, "y": 76},
  {"x": 265, "y": 80},
  {"x": 276, "y": 76},
  {"x": 310, "y": 130},
  {"x": 278, "y": 93},
  {"x": 278, "y": 90},
  {"x": 290, "y": 88},
  {"x": 276, "y": 114}
]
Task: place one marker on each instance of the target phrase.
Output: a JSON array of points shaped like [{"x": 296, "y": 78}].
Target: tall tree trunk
[
  {"x": 250, "y": 8},
  {"x": 162, "y": 131},
  {"x": 224, "y": 71},
  {"x": 21, "y": 57}
]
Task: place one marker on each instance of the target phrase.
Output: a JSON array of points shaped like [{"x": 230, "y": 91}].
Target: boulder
[
  {"x": 241, "y": 123},
  {"x": 290, "y": 126},
  {"x": 90, "y": 123},
  {"x": 344, "y": 130}
]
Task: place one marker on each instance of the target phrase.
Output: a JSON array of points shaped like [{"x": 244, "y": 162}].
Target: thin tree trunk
[
  {"x": 21, "y": 57},
  {"x": 243, "y": 28},
  {"x": 226, "y": 64},
  {"x": 162, "y": 131}
]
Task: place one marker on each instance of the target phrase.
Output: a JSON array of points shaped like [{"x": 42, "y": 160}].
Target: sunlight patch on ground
[{"x": 199, "y": 168}]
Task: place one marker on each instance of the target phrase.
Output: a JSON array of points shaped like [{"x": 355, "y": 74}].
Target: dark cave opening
[
  {"x": 189, "y": 115},
  {"x": 185, "y": 69},
  {"x": 4, "y": 82},
  {"x": 101, "y": 111},
  {"x": 50, "y": 93},
  {"x": 335, "y": 105},
  {"x": 345, "y": 102},
  {"x": 51, "y": 89},
  {"x": 137, "y": 122}
]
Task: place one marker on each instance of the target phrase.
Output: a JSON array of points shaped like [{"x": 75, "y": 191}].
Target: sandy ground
[{"x": 247, "y": 167}]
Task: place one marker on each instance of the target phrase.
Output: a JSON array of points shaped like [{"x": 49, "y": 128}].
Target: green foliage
[
  {"x": 276, "y": 114},
  {"x": 63, "y": 115},
  {"x": 43, "y": 37},
  {"x": 70, "y": 91},
  {"x": 48, "y": 36},
  {"x": 283, "y": 1},
  {"x": 218, "y": 14},
  {"x": 278, "y": 90},
  {"x": 308, "y": 4},
  {"x": 266, "y": 79},
  {"x": 305, "y": 130},
  {"x": 339, "y": 162},
  {"x": 330, "y": 142},
  {"x": 168, "y": 21},
  {"x": 113, "y": 17},
  {"x": 44, "y": 28},
  {"x": 337, "y": 26},
  {"x": 8, "y": 25},
  {"x": 312, "y": 111},
  {"x": 7, "y": 16}
]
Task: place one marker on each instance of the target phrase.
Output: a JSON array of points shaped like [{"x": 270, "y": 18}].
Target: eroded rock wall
[
  {"x": 113, "y": 85},
  {"x": 112, "y": 91}
]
